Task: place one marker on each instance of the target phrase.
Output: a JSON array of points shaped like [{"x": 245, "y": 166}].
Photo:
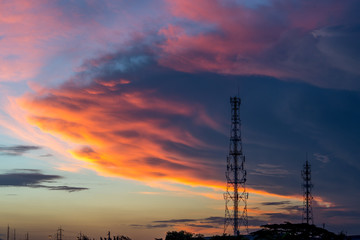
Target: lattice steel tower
[
  {"x": 307, "y": 216},
  {"x": 236, "y": 195}
]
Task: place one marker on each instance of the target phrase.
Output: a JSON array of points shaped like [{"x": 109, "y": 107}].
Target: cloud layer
[
  {"x": 34, "y": 179},
  {"x": 289, "y": 40},
  {"x": 125, "y": 131},
  {"x": 17, "y": 150},
  {"x": 142, "y": 93}
]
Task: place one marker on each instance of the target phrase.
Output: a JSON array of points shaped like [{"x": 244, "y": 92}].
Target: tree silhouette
[
  {"x": 289, "y": 231},
  {"x": 182, "y": 235},
  {"x": 227, "y": 237}
]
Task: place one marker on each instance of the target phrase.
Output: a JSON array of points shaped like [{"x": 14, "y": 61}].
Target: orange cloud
[
  {"x": 132, "y": 134},
  {"x": 129, "y": 133},
  {"x": 139, "y": 135}
]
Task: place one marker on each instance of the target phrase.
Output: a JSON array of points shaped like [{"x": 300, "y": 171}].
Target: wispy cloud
[
  {"x": 270, "y": 170},
  {"x": 322, "y": 158},
  {"x": 275, "y": 203},
  {"x": 46, "y": 155},
  {"x": 17, "y": 150},
  {"x": 150, "y": 226},
  {"x": 202, "y": 223},
  {"x": 176, "y": 220},
  {"x": 33, "y": 178}
]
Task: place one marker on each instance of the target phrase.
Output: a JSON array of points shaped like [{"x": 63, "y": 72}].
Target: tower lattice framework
[
  {"x": 307, "y": 216},
  {"x": 236, "y": 195}
]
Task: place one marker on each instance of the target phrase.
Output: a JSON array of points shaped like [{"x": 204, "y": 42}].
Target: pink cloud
[
  {"x": 26, "y": 32},
  {"x": 43, "y": 40},
  {"x": 236, "y": 39}
]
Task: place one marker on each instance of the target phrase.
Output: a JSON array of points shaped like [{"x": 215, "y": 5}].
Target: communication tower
[
  {"x": 59, "y": 234},
  {"x": 236, "y": 195},
  {"x": 307, "y": 216}
]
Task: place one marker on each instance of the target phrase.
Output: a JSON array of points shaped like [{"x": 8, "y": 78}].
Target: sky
[{"x": 115, "y": 115}]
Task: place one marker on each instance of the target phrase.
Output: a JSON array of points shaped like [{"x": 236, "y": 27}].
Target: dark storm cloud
[
  {"x": 17, "y": 149},
  {"x": 33, "y": 178}
]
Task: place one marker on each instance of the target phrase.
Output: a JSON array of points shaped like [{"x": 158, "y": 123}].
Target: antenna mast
[
  {"x": 307, "y": 216},
  {"x": 59, "y": 235},
  {"x": 236, "y": 176}
]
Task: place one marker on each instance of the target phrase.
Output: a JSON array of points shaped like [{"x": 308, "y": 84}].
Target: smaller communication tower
[
  {"x": 59, "y": 234},
  {"x": 307, "y": 216}
]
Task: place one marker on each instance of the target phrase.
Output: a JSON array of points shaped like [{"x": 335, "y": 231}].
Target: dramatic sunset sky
[{"x": 115, "y": 115}]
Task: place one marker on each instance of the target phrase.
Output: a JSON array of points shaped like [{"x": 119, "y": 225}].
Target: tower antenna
[
  {"x": 307, "y": 216},
  {"x": 235, "y": 176},
  {"x": 59, "y": 235}
]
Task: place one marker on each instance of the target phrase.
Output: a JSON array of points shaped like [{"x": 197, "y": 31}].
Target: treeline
[{"x": 286, "y": 231}]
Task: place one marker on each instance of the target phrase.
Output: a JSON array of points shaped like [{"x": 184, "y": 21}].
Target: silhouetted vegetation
[
  {"x": 294, "y": 232},
  {"x": 227, "y": 237},
  {"x": 122, "y": 237},
  {"x": 285, "y": 231},
  {"x": 183, "y": 235}
]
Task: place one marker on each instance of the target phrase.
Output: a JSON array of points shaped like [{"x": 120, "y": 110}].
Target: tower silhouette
[
  {"x": 307, "y": 215},
  {"x": 236, "y": 195},
  {"x": 59, "y": 234}
]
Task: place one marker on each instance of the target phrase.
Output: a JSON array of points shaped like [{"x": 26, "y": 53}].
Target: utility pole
[
  {"x": 236, "y": 176},
  {"x": 27, "y": 236},
  {"x": 14, "y": 234}
]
